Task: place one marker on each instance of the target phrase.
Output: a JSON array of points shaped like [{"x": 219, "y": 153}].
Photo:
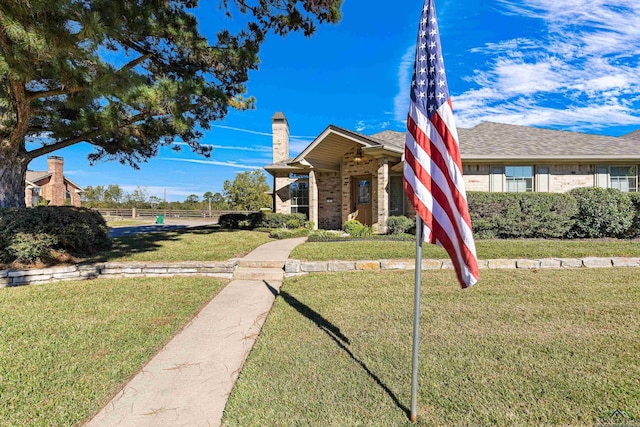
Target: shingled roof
[
  {"x": 34, "y": 176},
  {"x": 490, "y": 140},
  {"x": 635, "y": 135}
]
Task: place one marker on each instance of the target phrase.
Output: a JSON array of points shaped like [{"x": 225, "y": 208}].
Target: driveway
[{"x": 150, "y": 228}]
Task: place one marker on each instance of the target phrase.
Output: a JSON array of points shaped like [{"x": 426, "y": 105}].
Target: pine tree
[{"x": 126, "y": 76}]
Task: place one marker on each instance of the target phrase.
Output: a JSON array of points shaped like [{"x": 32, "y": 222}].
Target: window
[
  {"x": 396, "y": 196},
  {"x": 624, "y": 178},
  {"x": 299, "y": 195},
  {"x": 518, "y": 179},
  {"x": 364, "y": 192}
]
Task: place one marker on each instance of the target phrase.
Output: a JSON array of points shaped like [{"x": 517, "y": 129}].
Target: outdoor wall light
[{"x": 358, "y": 154}]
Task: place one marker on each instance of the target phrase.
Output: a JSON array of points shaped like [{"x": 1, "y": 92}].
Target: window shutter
[
  {"x": 496, "y": 179},
  {"x": 542, "y": 179},
  {"x": 602, "y": 176}
]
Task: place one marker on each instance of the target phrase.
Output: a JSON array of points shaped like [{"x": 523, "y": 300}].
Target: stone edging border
[
  {"x": 292, "y": 267},
  {"x": 220, "y": 269}
]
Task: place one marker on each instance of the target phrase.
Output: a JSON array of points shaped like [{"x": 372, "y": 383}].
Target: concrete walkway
[{"x": 188, "y": 382}]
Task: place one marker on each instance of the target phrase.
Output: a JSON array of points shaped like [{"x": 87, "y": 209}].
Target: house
[
  {"x": 51, "y": 185},
  {"x": 343, "y": 172}
]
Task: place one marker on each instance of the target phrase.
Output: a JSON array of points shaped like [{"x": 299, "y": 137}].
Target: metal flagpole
[{"x": 416, "y": 320}]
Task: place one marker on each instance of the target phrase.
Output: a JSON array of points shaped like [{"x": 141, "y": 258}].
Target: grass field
[
  {"x": 65, "y": 348},
  {"x": 486, "y": 249},
  {"x": 192, "y": 244},
  {"x": 520, "y": 348}
]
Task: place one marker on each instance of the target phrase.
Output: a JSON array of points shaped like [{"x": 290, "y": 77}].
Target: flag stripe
[
  {"x": 433, "y": 178},
  {"x": 432, "y": 149},
  {"x": 433, "y": 206},
  {"x": 433, "y": 185},
  {"x": 465, "y": 277}
]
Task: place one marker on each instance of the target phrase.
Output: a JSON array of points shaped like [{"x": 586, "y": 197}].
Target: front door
[{"x": 361, "y": 198}]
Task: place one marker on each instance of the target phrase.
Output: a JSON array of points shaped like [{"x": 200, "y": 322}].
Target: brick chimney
[
  {"x": 280, "y": 132},
  {"x": 55, "y": 167}
]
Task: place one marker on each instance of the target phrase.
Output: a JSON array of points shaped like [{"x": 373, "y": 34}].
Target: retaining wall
[
  {"x": 292, "y": 267},
  {"x": 221, "y": 269}
]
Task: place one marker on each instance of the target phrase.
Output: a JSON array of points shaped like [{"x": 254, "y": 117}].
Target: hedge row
[
  {"x": 580, "y": 213},
  {"x": 263, "y": 220},
  {"x": 37, "y": 234}
]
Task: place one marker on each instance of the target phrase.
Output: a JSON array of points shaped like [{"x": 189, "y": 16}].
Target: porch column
[
  {"x": 383, "y": 194},
  {"x": 313, "y": 199}
]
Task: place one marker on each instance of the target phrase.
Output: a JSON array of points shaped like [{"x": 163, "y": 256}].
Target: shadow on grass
[
  {"x": 338, "y": 337},
  {"x": 149, "y": 241}
]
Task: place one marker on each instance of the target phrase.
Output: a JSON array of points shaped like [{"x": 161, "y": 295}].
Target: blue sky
[{"x": 571, "y": 65}]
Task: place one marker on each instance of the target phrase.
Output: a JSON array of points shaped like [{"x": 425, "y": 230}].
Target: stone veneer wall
[
  {"x": 329, "y": 200},
  {"x": 295, "y": 267},
  {"x": 566, "y": 177},
  {"x": 476, "y": 177},
  {"x": 221, "y": 269},
  {"x": 282, "y": 194},
  {"x": 562, "y": 178}
]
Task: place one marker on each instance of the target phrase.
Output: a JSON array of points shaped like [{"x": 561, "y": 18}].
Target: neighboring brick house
[
  {"x": 51, "y": 185},
  {"x": 342, "y": 171}
]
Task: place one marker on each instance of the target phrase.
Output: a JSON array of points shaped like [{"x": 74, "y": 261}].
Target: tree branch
[
  {"x": 17, "y": 92},
  {"x": 31, "y": 95},
  {"x": 135, "y": 62},
  {"x": 30, "y": 155}
]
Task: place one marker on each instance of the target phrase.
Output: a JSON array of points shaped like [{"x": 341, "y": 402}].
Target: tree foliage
[
  {"x": 248, "y": 191},
  {"x": 126, "y": 76}
]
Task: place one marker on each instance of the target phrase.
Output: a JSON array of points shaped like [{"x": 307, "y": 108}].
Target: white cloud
[
  {"x": 212, "y": 162},
  {"x": 296, "y": 145},
  {"x": 581, "y": 74},
  {"x": 242, "y": 130},
  {"x": 405, "y": 71},
  {"x": 155, "y": 190},
  {"x": 255, "y": 132}
]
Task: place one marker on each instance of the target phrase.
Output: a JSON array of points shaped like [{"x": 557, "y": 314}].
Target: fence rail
[{"x": 167, "y": 213}]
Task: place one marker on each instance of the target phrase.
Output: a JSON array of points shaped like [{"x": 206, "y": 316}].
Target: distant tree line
[{"x": 249, "y": 191}]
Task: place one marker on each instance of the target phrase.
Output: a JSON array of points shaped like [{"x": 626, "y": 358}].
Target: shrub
[
  {"x": 634, "y": 230},
  {"x": 521, "y": 215},
  {"x": 602, "y": 212},
  {"x": 355, "y": 228},
  {"x": 278, "y": 220},
  {"x": 352, "y": 227},
  {"x": 399, "y": 224},
  {"x": 29, "y": 248},
  {"x": 283, "y": 233},
  {"x": 327, "y": 236},
  {"x": 30, "y": 234},
  {"x": 232, "y": 220}
]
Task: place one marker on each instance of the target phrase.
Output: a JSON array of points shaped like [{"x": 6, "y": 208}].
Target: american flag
[{"x": 432, "y": 169}]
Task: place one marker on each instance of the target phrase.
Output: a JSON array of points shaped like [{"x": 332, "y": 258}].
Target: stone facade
[
  {"x": 51, "y": 185},
  {"x": 282, "y": 193},
  {"x": 329, "y": 201},
  {"x": 566, "y": 177},
  {"x": 280, "y": 132},
  {"x": 561, "y": 177},
  {"x": 476, "y": 177},
  {"x": 362, "y": 166}
]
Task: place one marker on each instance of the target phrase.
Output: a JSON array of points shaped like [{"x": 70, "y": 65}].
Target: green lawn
[
  {"x": 192, "y": 244},
  {"x": 486, "y": 249},
  {"x": 65, "y": 348},
  {"x": 520, "y": 348},
  {"x": 129, "y": 222}
]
